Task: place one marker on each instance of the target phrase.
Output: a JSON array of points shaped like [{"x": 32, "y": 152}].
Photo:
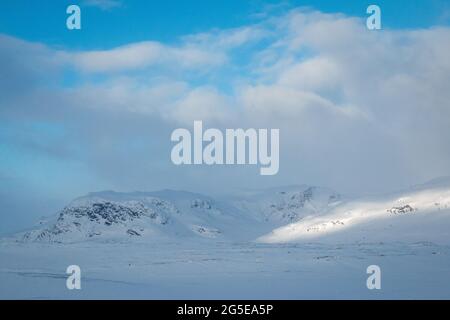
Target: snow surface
[{"x": 282, "y": 243}]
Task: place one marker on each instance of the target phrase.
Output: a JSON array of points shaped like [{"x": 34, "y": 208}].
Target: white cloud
[
  {"x": 229, "y": 39},
  {"x": 122, "y": 58},
  {"x": 103, "y": 4},
  {"x": 203, "y": 103},
  {"x": 142, "y": 55},
  {"x": 126, "y": 95},
  {"x": 355, "y": 107}
]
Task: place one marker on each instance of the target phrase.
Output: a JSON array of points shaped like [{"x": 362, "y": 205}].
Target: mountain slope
[
  {"x": 285, "y": 214},
  {"x": 154, "y": 215},
  {"x": 287, "y": 204},
  {"x": 422, "y": 212}
]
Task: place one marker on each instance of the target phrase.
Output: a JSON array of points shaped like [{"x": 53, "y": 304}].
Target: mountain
[
  {"x": 285, "y": 214},
  {"x": 287, "y": 204},
  {"x": 174, "y": 244},
  {"x": 419, "y": 213},
  {"x": 161, "y": 215},
  {"x": 168, "y": 215}
]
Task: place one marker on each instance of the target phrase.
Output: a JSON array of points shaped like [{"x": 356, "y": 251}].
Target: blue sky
[
  {"x": 90, "y": 110},
  {"x": 137, "y": 20}
]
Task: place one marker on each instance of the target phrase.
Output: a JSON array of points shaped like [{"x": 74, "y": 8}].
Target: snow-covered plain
[{"x": 284, "y": 243}]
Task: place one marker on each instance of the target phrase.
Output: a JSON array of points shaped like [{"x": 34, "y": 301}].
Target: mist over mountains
[{"x": 284, "y": 214}]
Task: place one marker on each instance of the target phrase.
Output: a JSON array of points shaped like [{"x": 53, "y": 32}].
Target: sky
[{"x": 85, "y": 110}]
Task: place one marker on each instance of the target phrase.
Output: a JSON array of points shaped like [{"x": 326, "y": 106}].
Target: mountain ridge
[{"x": 281, "y": 214}]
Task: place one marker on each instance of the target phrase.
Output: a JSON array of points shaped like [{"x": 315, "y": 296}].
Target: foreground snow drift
[{"x": 224, "y": 271}]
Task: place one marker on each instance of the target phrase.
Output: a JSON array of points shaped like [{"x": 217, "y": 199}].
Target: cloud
[
  {"x": 103, "y": 4},
  {"x": 143, "y": 55},
  {"x": 355, "y": 108},
  {"x": 229, "y": 39},
  {"x": 203, "y": 103},
  {"x": 25, "y": 65}
]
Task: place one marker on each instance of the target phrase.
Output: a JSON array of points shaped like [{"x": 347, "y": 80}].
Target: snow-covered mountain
[
  {"x": 173, "y": 245},
  {"x": 153, "y": 215},
  {"x": 285, "y": 214},
  {"x": 287, "y": 204},
  {"x": 421, "y": 213}
]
